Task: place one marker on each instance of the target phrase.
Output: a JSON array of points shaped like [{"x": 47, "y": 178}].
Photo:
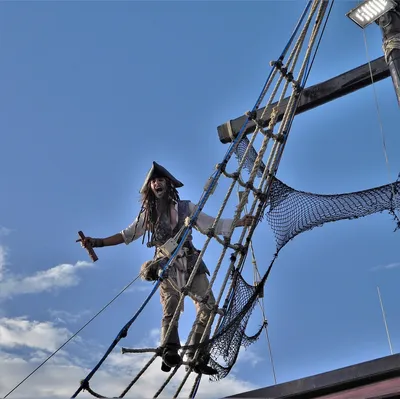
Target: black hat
[{"x": 159, "y": 171}]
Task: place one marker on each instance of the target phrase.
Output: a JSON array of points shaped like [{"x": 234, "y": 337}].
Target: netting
[
  {"x": 231, "y": 335},
  {"x": 292, "y": 212}
]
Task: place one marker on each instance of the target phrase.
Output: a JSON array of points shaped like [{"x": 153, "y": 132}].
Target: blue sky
[{"x": 91, "y": 94}]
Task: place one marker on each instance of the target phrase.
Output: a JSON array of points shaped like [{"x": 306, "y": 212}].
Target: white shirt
[{"x": 202, "y": 223}]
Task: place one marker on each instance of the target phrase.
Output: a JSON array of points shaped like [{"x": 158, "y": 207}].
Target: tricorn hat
[{"x": 159, "y": 171}]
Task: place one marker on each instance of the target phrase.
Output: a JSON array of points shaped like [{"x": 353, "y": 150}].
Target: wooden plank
[{"x": 313, "y": 96}]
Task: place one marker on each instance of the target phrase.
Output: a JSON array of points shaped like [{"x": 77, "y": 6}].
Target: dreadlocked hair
[{"x": 149, "y": 207}]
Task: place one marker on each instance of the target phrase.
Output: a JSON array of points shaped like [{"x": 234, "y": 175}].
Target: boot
[
  {"x": 170, "y": 356},
  {"x": 200, "y": 366}
]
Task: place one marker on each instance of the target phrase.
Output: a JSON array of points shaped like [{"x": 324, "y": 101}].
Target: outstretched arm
[
  {"x": 116, "y": 239},
  {"x": 129, "y": 234}
]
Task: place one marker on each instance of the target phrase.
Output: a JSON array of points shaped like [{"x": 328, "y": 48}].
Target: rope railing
[
  {"x": 240, "y": 208},
  {"x": 238, "y": 257}
]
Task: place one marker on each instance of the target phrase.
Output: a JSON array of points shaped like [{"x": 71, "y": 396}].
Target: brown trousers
[{"x": 169, "y": 297}]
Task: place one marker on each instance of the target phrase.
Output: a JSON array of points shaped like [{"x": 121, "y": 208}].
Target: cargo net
[
  {"x": 231, "y": 335},
  {"x": 291, "y": 212}
]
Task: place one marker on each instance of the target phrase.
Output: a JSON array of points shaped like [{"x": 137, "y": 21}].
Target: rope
[
  {"x": 391, "y": 44},
  {"x": 378, "y": 111},
  {"x": 265, "y": 323},
  {"x": 241, "y": 250},
  {"x": 294, "y": 99},
  {"x": 266, "y": 86},
  {"x": 257, "y": 278},
  {"x": 308, "y": 67},
  {"x": 195, "y": 387},
  {"x": 185, "y": 233},
  {"x": 258, "y": 160},
  {"x": 318, "y": 44},
  {"x": 123, "y": 333},
  {"x": 73, "y": 336}
]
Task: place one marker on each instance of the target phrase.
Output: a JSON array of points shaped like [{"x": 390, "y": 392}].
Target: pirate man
[{"x": 161, "y": 217}]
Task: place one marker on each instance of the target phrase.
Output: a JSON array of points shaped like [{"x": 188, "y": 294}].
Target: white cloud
[
  {"x": 61, "y": 380},
  {"x": 60, "y": 377},
  {"x": 249, "y": 355},
  {"x": 388, "y": 266},
  {"x": 39, "y": 356},
  {"x": 11, "y": 284},
  {"x": 65, "y": 317},
  {"x": 64, "y": 275},
  {"x": 20, "y": 332}
]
